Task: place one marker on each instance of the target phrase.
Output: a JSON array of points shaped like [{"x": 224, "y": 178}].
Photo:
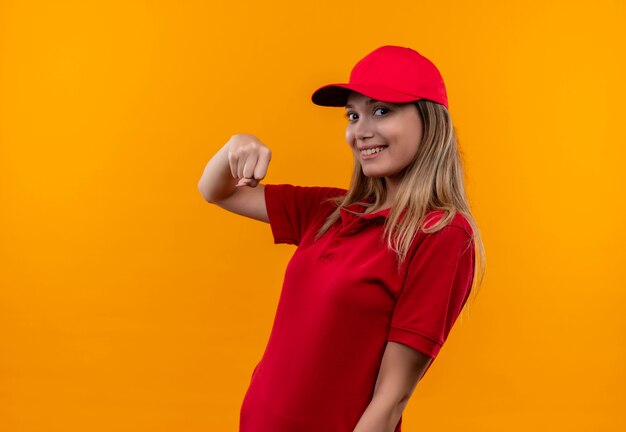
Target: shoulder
[
  {"x": 306, "y": 198},
  {"x": 313, "y": 190},
  {"x": 436, "y": 246},
  {"x": 459, "y": 221}
]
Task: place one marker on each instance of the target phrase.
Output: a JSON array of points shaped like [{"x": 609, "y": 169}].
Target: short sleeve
[
  {"x": 293, "y": 209},
  {"x": 437, "y": 284}
]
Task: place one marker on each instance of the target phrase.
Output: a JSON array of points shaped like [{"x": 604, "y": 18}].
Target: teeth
[{"x": 371, "y": 151}]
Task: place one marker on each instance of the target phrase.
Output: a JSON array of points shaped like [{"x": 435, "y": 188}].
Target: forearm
[
  {"x": 382, "y": 415},
  {"x": 217, "y": 181}
]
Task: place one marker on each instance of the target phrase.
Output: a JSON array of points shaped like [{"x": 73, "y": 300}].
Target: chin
[{"x": 375, "y": 174}]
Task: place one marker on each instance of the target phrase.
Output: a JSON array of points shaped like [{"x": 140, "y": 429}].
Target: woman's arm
[
  {"x": 242, "y": 161},
  {"x": 217, "y": 181},
  {"x": 401, "y": 369}
]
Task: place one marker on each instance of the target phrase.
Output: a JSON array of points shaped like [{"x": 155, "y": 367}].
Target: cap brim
[{"x": 336, "y": 95}]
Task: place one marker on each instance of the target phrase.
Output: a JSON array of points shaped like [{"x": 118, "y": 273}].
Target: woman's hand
[{"x": 248, "y": 158}]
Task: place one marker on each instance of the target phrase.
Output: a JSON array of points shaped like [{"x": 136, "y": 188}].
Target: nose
[{"x": 362, "y": 130}]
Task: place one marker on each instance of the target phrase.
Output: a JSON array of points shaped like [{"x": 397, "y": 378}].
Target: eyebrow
[{"x": 369, "y": 102}]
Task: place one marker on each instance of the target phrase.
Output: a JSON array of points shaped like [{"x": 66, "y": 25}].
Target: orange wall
[{"x": 128, "y": 303}]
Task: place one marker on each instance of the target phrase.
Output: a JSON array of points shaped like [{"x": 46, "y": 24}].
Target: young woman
[{"x": 381, "y": 271}]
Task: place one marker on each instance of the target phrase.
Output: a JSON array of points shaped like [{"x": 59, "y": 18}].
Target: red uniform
[{"x": 342, "y": 300}]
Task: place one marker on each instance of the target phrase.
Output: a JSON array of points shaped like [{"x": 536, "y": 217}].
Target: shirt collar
[
  {"x": 357, "y": 220},
  {"x": 347, "y": 217}
]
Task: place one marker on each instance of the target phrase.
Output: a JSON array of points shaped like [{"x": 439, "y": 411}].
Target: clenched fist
[{"x": 248, "y": 158}]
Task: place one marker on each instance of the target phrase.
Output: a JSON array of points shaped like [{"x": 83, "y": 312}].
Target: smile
[{"x": 372, "y": 153}]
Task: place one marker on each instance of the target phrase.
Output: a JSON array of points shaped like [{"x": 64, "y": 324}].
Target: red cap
[{"x": 389, "y": 74}]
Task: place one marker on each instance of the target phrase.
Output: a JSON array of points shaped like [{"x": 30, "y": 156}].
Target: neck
[{"x": 391, "y": 188}]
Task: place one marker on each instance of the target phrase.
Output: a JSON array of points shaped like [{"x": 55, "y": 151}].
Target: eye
[
  {"x": 349, "y": 114},
  {"x": 381, "y": 108}
]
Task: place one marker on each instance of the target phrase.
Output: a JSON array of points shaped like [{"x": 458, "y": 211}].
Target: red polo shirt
[{"x": 342, "y": 299}]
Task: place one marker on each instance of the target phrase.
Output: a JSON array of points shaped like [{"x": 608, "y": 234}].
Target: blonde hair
[{"x": 432, "y": 181}]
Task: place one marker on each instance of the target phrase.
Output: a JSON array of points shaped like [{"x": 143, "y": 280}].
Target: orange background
[{"x": 128, "y": 303}]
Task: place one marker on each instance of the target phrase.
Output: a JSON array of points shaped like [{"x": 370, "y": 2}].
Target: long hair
[{"x": 433, "y": 180}]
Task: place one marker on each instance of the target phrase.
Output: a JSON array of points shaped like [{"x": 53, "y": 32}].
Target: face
[{"x": 396, "y": 127}]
